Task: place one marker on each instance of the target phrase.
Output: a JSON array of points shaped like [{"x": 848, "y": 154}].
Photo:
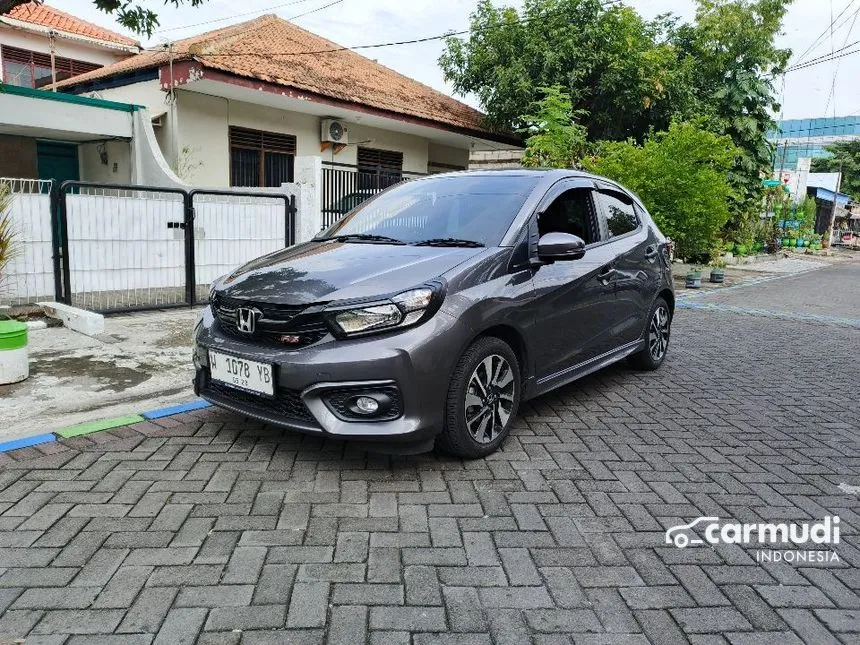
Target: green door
[{"x": 57, "y": 161}]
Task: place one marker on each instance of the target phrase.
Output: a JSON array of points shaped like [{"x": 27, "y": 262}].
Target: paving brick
[
  {"x": 246, "y": 618},
  {"x": 79, "y": 621},
  {"x": 215, "y": 596},
  {"x": 416, "y": 619},
  {"x": 348, "y": 625},
  {"x": 308, "y": 605},
  {"x": 367, "y": 594},
  {"x": 181, "y": 626},
  {"x": 148, "y": 610}
]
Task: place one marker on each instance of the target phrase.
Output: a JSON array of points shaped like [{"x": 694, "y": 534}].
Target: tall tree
[
  {"x": 134, "y": 17},
  {"x": 731, "y": 45},
  {"x": 844, "y": 155},
  {"x": 615, "y": 66},
  {"x": 555, "y": 139}
]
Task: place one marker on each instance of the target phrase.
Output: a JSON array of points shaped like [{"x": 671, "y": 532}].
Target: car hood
[{"x": 323, "y": 271}]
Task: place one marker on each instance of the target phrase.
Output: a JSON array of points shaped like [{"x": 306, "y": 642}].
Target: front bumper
[{"x": 415, "y": 363}]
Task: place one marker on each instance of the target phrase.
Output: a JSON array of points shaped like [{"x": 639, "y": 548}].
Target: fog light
[{"x": 367, "y": 405}]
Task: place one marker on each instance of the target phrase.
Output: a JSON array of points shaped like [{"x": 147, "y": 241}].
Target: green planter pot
[
  {"x": 694, "y": 280},
  {"x": 14, "y": 363},
  {"x": 786, "y": 241},
  {"x": 718, "y": 275},
  {"x": 807, "y": 243}
]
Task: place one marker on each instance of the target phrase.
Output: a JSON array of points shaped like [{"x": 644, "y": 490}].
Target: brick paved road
[{"x": 209, "y": 527}]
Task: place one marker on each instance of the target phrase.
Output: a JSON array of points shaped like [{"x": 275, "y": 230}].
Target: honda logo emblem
[{"x": 246, "y": 319}]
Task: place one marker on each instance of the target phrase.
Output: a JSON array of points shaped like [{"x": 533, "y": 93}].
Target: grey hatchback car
[{"x": 431, "y": 311}]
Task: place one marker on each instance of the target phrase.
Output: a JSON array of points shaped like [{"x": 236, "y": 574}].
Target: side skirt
[{"x": 570, "y": 374}]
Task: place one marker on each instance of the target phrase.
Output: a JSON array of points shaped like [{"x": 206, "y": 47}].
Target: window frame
[
  {"x": 63, "y": 67},
  {"x": 556, "y": 191},
  {"x": 269, "y": 143},
  {"x": 604, "y": 189}
]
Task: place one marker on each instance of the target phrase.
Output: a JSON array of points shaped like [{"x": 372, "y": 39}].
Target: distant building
[{"x": 801, "y": 138}]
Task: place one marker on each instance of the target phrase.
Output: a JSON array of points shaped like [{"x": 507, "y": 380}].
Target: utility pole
[
  {"x": 51, "y": 35},
  {"x": 828, "y": 234}
]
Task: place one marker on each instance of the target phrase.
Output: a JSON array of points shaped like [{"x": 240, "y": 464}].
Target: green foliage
[
  {"x": 134, "y": 17},
  {"x": 616, "y": 66},
  {"x": 681, "y": 176},
  {"x": 732, "y": 47},
  {"x": 627, "y": 76},
  {"x": 555, "y": 140},
  {"x": 805, "y": 213},
  {"x": 846, "y": 153},
  {"x": 8, "y": 245}
]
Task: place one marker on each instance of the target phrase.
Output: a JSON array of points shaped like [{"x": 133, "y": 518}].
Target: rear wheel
[
  {"x": 483, "y": 397},
  {"x": 657, "y": 338}
]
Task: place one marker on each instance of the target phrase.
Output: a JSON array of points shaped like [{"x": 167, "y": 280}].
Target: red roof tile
[
  {"x": 273, "y": 50},
  {"x": 45, "y": 16}
]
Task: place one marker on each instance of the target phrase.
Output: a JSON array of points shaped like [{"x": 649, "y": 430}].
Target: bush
[{"x": 681, "y": 175}]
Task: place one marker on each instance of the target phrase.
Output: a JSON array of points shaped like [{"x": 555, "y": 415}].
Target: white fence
[
  {"x": 126, "y": 247},
  {"x": 29, "y": 277}
]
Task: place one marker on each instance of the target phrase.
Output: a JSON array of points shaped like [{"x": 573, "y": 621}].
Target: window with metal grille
[
  {"x": 384, "y": 159},
  {"x": 26, "y": 68},
  {"x": 379, "y": 169},
  {"x": 259, "y": 158}
]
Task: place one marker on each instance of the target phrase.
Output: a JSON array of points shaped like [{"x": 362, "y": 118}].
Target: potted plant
[
  {"x": 694, "y": 278},
  {"x": 718, "y": 267},
  {"x": 14, "y": 363}
]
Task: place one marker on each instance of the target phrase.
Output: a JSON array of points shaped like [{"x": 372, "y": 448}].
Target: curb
[{"x": 104, "y": 424}]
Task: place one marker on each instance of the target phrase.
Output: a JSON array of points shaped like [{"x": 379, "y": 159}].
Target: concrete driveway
[{"x": 211, "y": 528}]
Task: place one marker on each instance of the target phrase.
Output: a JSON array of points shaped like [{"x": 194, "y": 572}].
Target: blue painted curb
[
  {"x": 26, "y": 442},
  {"x": 176, "y": 409}
]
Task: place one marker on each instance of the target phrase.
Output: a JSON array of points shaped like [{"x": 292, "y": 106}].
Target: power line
[
  {"x": 325, "y": 6},
  {"x": 832, "y": 95},
  {"x": 805, "y": 66},
  {"x": 235, "y": 15},
  {"x": 828, "y": 29}
]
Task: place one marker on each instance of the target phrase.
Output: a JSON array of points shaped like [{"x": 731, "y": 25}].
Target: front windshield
[{"x": 477, "y": 208}]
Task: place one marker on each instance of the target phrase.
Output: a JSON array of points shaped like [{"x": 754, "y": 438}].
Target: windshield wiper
[
  {"x": 450, "y": 241},
  {"x": 362, "y": 237}
]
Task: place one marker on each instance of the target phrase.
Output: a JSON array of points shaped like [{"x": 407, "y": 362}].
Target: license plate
[{"x": 241, "y": 373}]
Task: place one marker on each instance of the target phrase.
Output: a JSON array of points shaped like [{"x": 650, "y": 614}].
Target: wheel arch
[
  {"x": 669, "y": 297},
  {"x": 515, "y": 341}
]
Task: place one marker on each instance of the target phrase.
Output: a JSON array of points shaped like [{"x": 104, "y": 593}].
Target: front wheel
[
  {"x": 483, "y": 397},
  {"x": 657, "y": 337}
]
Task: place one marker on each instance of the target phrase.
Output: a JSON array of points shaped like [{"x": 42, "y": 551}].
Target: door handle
[
  {"x": 651, "y": 252},
  {"x": 606, "y": 274}
]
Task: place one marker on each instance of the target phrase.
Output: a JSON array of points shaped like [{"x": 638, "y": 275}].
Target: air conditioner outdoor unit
[{"x": 334, "y": 131}]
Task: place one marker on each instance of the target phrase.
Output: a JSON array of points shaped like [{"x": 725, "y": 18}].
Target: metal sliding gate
[{"x": 131, "y": 248}]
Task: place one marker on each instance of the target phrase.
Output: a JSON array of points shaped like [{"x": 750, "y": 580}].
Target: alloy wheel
[
  {"x": 658, "y": 333},
  {"x": 489, "y": 398}
]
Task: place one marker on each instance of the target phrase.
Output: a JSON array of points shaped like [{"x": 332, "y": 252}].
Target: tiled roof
[
  {"x": 45, "y": 16},
  {"x": 273, "y": 50}
]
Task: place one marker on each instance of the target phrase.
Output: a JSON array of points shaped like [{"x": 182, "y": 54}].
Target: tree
[
  {"x": 8, "y": 242},
  {"x": 731, "y": 45},
  {"x": 131, "y": 16},
  {"x": 681, "y": 177},
  {"x": 555, "y": 140},
  {"x": 615, "y": 66},
  {"x": 844, "y": 155}
]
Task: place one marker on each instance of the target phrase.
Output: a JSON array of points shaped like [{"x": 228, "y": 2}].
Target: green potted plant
[
  {"x": 14, "y": 363},
  {"x": 694, "y": 278},
  {"x": 718, "y": 267}
]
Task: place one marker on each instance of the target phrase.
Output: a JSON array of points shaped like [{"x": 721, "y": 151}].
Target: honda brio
[{"x": 431, "y": 311}]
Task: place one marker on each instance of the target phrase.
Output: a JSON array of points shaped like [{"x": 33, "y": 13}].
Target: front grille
[
  {"x": 275, "y": 321},
  {"x": 287, "y": 404}
]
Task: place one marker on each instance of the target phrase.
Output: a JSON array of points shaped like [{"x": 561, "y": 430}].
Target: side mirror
[{"x": 558, "y": 247}]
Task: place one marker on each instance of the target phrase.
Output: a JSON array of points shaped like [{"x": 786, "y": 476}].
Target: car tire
[
  {"x": 483, "y": 398},
  {"x": 657, "y": 336}
]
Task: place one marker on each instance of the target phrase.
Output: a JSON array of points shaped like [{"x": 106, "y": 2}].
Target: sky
[{"x": 807, "y": 93}]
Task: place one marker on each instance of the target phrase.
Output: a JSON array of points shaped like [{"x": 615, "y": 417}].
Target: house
[
  {"x": 39, "y": 138},
  {"x": 236, "y": 106}
]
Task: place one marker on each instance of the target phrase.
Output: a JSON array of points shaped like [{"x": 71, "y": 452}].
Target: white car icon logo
[{"x": 675, "y": 534}]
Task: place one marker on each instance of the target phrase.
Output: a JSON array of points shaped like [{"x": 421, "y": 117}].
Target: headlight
[{"x": 402, "y": 310}]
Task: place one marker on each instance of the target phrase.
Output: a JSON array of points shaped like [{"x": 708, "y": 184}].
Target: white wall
[
  {"x": 149, "y": 95},
  {"x": 448, "y": 156},
  {"x": 119, "y": 165}
]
